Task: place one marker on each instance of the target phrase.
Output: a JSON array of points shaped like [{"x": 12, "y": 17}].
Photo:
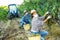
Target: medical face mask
[{"x": 36, "y": 15}]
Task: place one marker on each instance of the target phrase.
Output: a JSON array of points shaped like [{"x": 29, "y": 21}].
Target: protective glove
[
  {"x": 49, "y": 17},
  {"x": 47, "y": 12}
]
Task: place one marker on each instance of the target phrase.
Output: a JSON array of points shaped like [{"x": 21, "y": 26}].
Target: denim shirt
[{"x": 25, "y": 18}]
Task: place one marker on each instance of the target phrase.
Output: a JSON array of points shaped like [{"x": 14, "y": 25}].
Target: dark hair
[{"x": 32, "y": 15}]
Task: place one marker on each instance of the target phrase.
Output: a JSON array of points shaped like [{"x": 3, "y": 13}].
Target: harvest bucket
[
  {"x": 26, "y": 27},
  {"x": 35, "y": 37}
]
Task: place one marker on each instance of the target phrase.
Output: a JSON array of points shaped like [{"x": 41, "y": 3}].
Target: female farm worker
[
  {"x": 37, "y": 24},
  {"x": 25, "y": 19}
]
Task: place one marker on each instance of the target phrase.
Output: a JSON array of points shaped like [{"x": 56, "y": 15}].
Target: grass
[{"x": 54, "y": 32}]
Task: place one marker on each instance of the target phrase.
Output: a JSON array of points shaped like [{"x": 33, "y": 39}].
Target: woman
[
  {"x": 37, "y": 24},
  {"x": 25, "y": 19}
]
